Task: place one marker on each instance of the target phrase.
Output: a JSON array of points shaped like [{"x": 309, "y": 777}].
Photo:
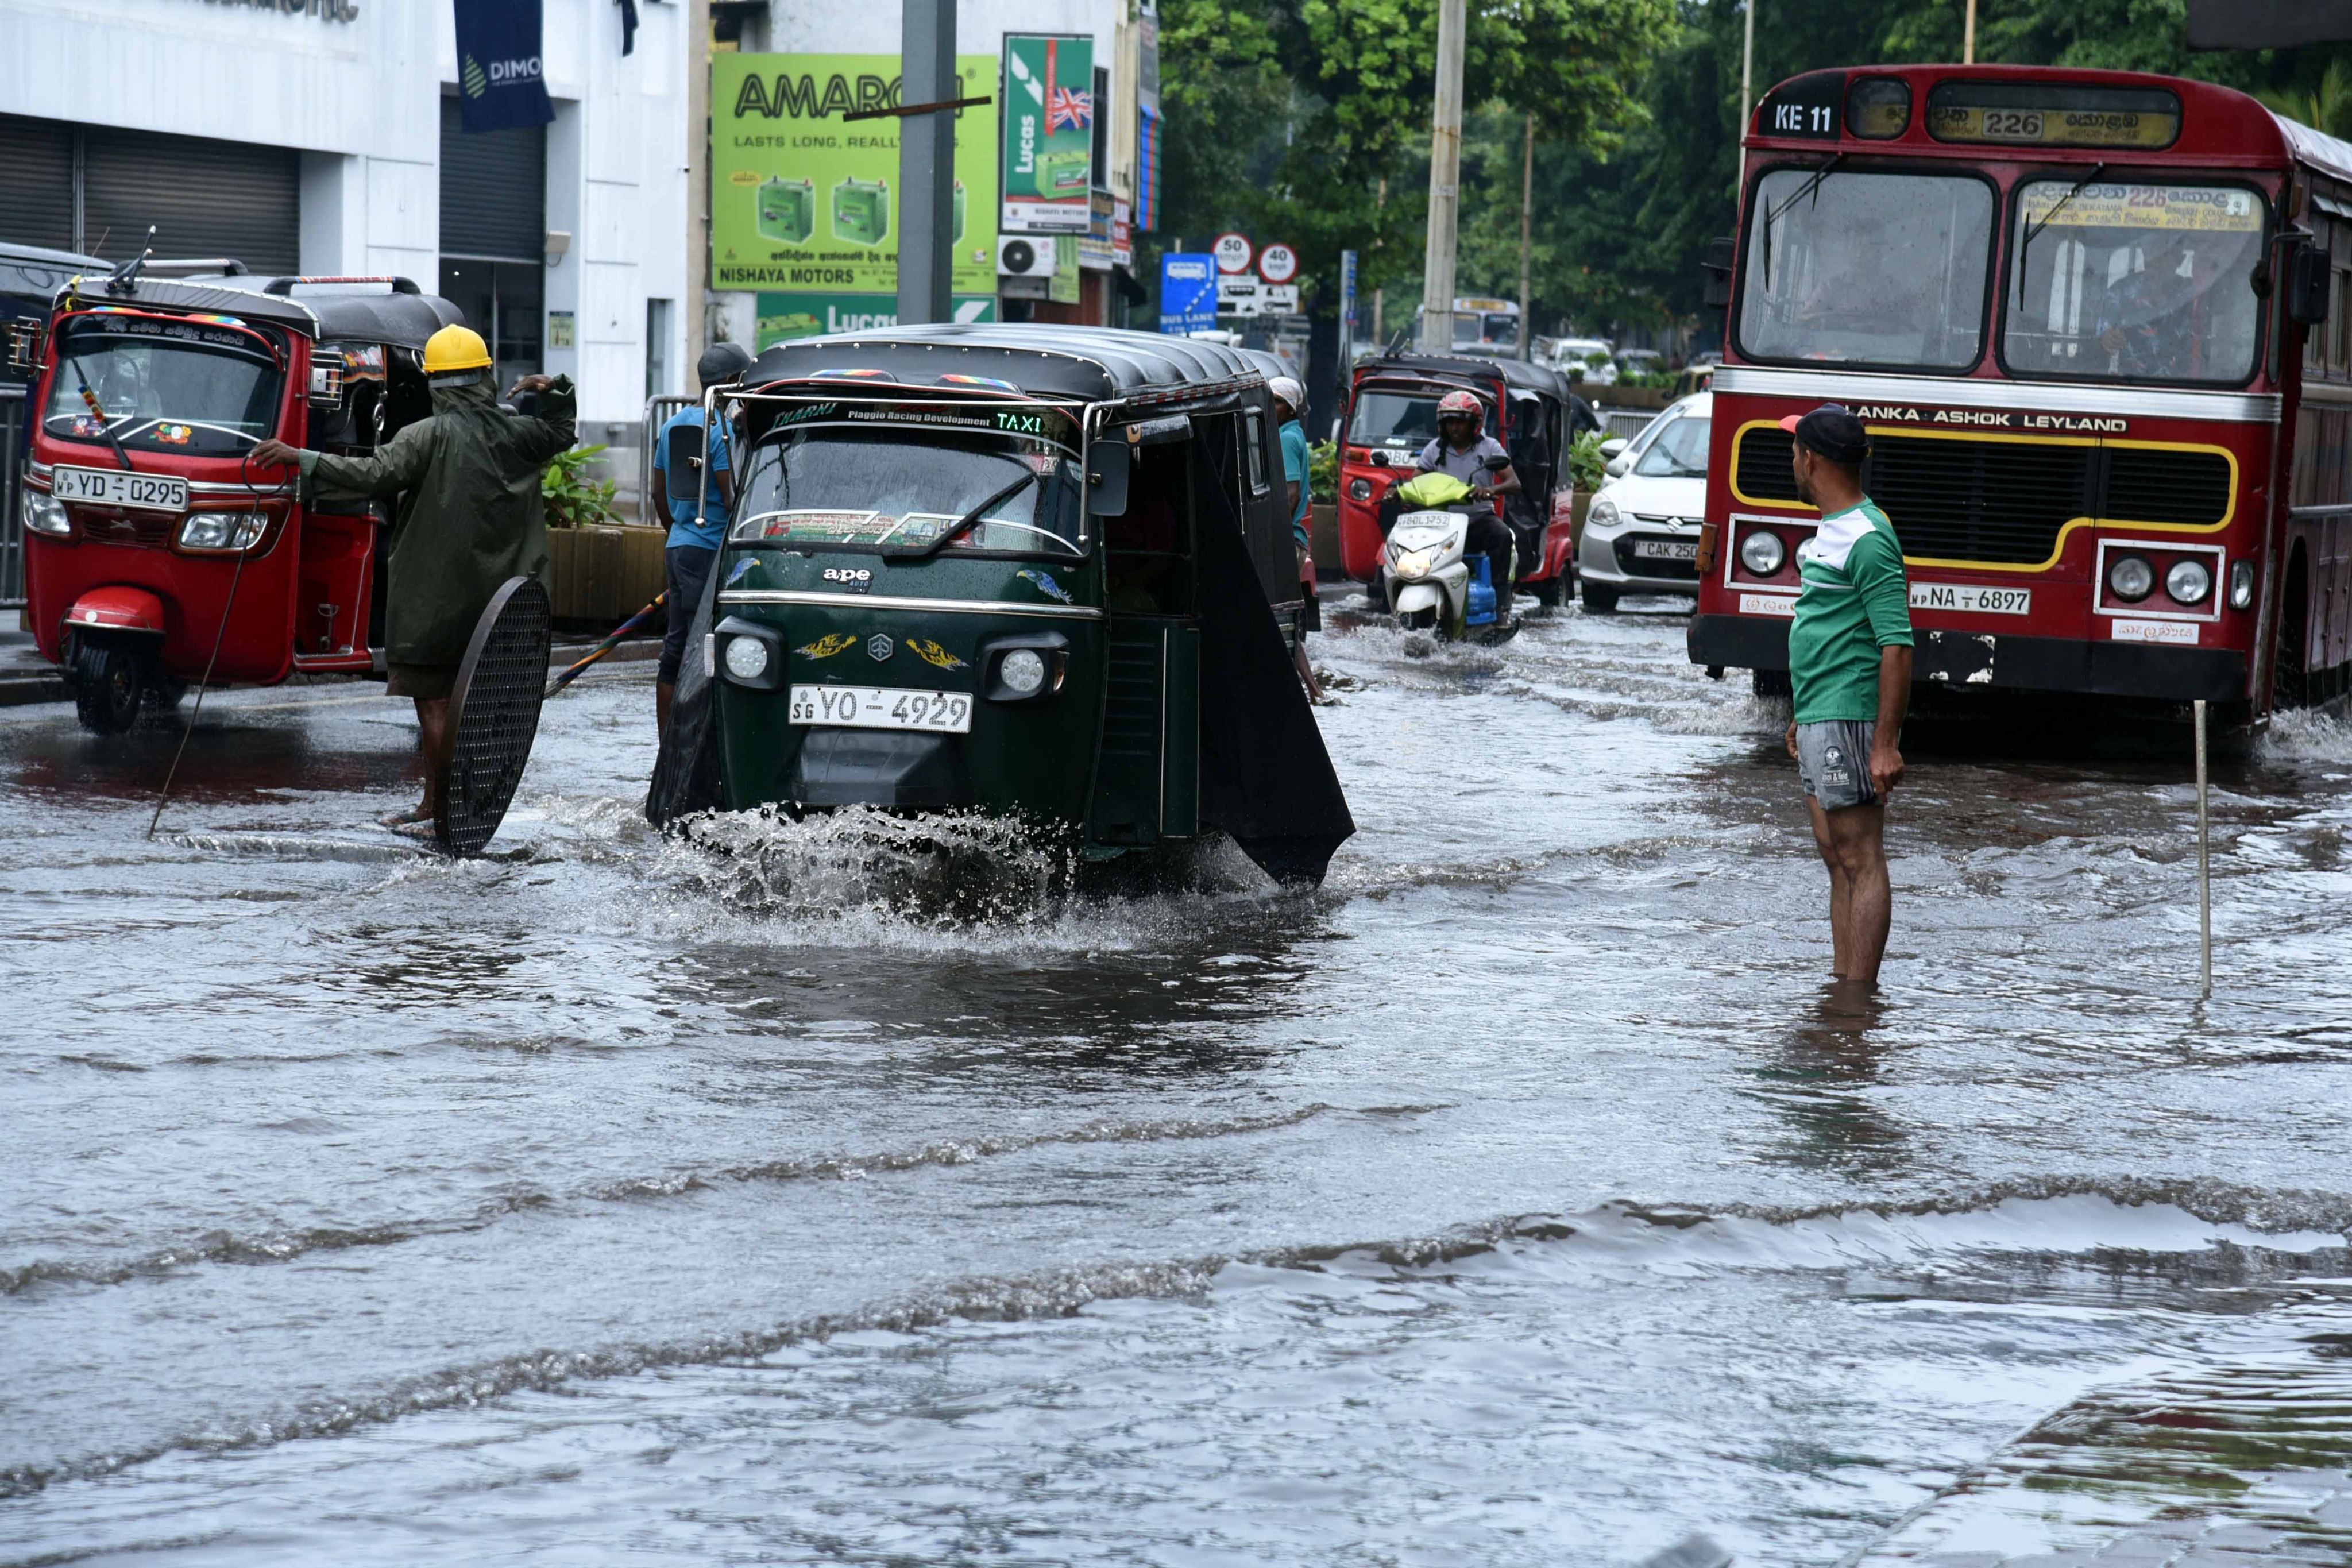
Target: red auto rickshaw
[
  {"x": 154, "y": 552},
  {"x": 1530, "y": 408}
]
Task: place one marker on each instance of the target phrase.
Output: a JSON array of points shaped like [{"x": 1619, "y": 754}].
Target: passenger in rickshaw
[
  {"x": 1289, "y": 398},
  {"x": 1464, "y": 450},
  {"x": 696, "y": 490}
]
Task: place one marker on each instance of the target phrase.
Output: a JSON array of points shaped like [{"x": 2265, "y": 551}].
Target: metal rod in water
[{"x": 2204, "y": 865}]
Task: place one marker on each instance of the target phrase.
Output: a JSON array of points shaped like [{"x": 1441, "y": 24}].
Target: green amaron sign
[
  {"x": 803, "y": 202},
  {"x": 1049, "y": 133}
]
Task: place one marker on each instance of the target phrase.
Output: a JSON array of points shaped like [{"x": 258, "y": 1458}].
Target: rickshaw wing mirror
[{"x": 1109, "y": 462}]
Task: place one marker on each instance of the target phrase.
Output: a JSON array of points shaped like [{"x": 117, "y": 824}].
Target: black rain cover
[
  {"x": 686, "y": 774},
  {"x": 1266, "y": 778}
]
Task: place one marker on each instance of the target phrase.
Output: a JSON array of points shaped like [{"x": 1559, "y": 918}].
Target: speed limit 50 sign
[{"x": 1233, "y": 252}]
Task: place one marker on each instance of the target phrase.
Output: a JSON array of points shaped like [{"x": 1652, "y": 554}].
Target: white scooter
[{"x": 1429, "y": 584}]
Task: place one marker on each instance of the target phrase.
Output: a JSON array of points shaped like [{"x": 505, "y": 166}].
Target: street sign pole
[
  {"x": 1444, "y": 183},
  {"x": 927, "y": 74},
  {"x": 1346, "y": 306}
]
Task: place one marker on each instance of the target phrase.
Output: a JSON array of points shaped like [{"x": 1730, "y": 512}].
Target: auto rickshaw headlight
[
  {"x": 1023, "y": 671},
  {"x": 1360, "y": 489},
  {"x": 44, "y": 513},
  {"x": 222, "y": 529},
  {"x": 747, "y": 658}
]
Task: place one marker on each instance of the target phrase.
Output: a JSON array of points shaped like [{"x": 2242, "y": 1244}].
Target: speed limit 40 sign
[
  {"x": 1233, "y": 252},
  {"x": 1278, "y": 264}
]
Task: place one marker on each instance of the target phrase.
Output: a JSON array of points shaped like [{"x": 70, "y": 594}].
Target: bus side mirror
[
  {"x": 2307, "y": 277},
  {"x": 1715, "y": 292},
  {"x": 1109, "y": 463}
]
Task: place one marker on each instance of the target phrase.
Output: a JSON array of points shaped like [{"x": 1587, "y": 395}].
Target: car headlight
[
  {"x": 747, "y": 658},
  {"x": 1021, "y": 671},
  {"x": 2241, "y": 585},
  {"x": 44, "y": 513},
  {"x": 1413, "y": 563},
  {"x": 222, "y": 529},
  {"x": 1762, "y": 553},
  {"x": 1603, "y": 515},
  {"x": 2131, "y": 578},
  {"x": 1360, "y": 489},
  {"x": 2188, "y": 582}
]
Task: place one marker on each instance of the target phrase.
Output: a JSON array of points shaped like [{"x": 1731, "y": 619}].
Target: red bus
[{"x": 2099, "y": 326}]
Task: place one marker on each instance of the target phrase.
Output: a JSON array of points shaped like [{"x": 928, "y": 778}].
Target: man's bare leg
[
  {"x": 1306, "y": 673},
  {"x": 1841, "y": 894},
  {"x": 1857, "y": 838},
  {"x": 433, "y": 719}
]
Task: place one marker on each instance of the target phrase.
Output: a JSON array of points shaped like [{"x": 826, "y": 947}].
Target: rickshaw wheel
[
  {"x": 1546, "y": 592},
  {"x": 108, "y": 678}
]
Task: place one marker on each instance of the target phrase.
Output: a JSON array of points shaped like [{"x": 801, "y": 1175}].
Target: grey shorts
[{"x": 1833, "y": 759}]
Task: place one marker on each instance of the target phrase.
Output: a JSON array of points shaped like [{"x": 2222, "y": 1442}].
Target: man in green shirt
[{"x": 1850, "y": 663}]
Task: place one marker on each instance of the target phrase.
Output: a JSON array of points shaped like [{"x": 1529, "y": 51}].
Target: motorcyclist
[{"x": 1464, "y": 450}]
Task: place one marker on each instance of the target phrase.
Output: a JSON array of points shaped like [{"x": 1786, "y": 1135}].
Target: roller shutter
[
  {"x": 36, "y": 196},
  {"x": 493, "y": 191},
  {"x": 204, "y": 197}
]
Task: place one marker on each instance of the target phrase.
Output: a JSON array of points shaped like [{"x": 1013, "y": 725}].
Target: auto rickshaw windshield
[
  {"x": 861, "y": 487},
  {"x": 176, "y": 387},
  {"x": 1395, "y": 418}
]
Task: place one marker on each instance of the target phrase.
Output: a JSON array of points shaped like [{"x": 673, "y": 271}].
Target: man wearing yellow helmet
[{"x": 470, "y": 519}]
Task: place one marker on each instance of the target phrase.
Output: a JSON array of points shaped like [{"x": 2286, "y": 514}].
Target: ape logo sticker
[
  {"x": 828, "y": 646},
  {"x": 932, "y": 654}
]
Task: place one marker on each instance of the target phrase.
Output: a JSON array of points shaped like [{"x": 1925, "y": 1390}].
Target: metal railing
[
  {"x": 658, "y": 411},
  {"x": 1626, "y": 422},
  {"x": 12, "y": 526}
]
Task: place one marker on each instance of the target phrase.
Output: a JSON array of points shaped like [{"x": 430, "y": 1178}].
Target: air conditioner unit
[{"x": 1024, "y": 256}]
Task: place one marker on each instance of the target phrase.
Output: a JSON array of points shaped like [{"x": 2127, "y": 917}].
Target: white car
[
  {"x": 1641, "y": 534},
  {"x": 1573, "y": 357}
]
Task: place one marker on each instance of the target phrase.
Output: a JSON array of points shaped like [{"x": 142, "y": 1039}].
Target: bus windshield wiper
[
  {"x": 963, "y": 524},
  {"x": 98, "y": 412},
  {"x": 2025, "y": 245},
  {"x": 1773, "y": 215}
]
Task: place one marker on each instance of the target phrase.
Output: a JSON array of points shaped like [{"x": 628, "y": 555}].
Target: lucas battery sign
[
  {"x": 1049, "y": 133},
  {"x": 804, "y": 202}
]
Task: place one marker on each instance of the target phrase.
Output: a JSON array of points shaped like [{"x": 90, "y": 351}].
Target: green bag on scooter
[{"x": 1432, "y": 491}]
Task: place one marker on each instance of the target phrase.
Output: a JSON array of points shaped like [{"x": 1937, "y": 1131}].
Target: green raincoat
[{"x": 472, "y": 516}]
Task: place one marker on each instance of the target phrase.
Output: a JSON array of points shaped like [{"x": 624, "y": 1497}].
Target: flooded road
[{"x": 1518, "y": 1198}]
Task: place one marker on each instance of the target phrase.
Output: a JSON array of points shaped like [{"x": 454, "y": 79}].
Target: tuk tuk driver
[
  {"x": 1464, "y": 450},
  {"x": 470, "y": 517}
]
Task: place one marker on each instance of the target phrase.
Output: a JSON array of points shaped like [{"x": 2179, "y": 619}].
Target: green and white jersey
[{"x": 1854, "y": 603}]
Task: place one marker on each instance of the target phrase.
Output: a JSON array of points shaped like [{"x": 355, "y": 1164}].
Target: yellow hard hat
[{"x": 454, "y": 348}]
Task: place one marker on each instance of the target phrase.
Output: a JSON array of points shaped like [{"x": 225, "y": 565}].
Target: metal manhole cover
[{"x": 494, "y": 714}]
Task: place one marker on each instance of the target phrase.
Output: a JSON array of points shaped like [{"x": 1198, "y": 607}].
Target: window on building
[{"x": 657, "y": 382}]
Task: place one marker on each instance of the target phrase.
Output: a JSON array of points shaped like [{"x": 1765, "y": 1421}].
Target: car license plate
[
  {"x": 115, "y": 486},
  {"x": 1971, "y": 598},
  {"x": 1666, "y": 548},
  {"x": 882, "y": 707}
]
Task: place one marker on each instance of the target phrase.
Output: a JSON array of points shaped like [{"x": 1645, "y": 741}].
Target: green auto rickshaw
[{"x": 1041, "y": 572}]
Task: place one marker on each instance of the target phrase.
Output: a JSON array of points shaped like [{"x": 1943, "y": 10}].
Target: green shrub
[
  {"x": 1323, "y": 470},
  {"x": 1586, "y": 465},
  {"x": 572, "y": 499}
]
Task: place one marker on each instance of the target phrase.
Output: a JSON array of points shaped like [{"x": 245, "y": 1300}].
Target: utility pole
[
  {"x": 1527, "y": 217},
  {"x": 927, "y": 161},
  {"x": 1968, "y": 37},
  {"x": 1380, "y": 296},
  {"x": 1444, "y": 183},
  {"x": 1747, "y": 68},
  {"x": 697, "y": 181}
]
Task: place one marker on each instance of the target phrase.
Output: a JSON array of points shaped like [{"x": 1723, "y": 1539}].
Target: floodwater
[{"x": 1521, "y": 1197}]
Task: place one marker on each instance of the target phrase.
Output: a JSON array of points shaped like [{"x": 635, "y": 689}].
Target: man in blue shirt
[
  {"x": 1289, "y": 398},
  {"x": 687, "y": 485}
]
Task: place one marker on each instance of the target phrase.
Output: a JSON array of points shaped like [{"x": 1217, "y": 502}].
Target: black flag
[{"x": 628, "y": 26}]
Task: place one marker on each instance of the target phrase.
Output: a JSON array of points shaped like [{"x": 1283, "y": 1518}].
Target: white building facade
[{"x": 320, "y": 137}]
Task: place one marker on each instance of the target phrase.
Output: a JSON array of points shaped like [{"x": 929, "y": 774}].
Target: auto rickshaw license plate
[
  {"x": 113, "y": 487},
  {"x": 882, "y": 707}
]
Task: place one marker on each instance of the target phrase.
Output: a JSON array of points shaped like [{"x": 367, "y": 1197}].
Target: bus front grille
[{"x": 1962, "y": 498}]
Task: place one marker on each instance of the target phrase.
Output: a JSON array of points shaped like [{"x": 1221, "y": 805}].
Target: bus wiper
[
  {"x": 963, "y": 524},
  {"x": 2025, "y": 245},
  {"x": 1772, "y": 214},
  {"x": 98, "y": 412}
]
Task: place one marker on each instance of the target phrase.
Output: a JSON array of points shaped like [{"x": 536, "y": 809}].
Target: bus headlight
[
  {"x": 2241, "y": 585},
  {"x": 44, "y": 513},
  {"x": 2187, "y": 582},
  {"x": 1762, "y": 553},
  {"x": 747, "y": 658},
  {"x": 222, "y": 529},
  {"x": 2131, "y": 578},
  {"x": 1360, "y": 489}
]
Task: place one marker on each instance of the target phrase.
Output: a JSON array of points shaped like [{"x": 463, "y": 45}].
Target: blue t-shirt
[
  {"x": 681, "y": 483},
  {"x": 1294, "y": 470}
]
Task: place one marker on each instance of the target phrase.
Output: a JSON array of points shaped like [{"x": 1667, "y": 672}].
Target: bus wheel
[
  {"x": 1769, "y": 682},
  {"x": 107, "y": 678}
]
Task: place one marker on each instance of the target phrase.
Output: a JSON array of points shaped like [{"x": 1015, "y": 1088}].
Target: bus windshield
[
  {"x": 862, "y": 488},
  {"x": 2136, "y": 282},
  {"x": 1866, "y": 268},
  {"x": 208, "y": 391}
]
